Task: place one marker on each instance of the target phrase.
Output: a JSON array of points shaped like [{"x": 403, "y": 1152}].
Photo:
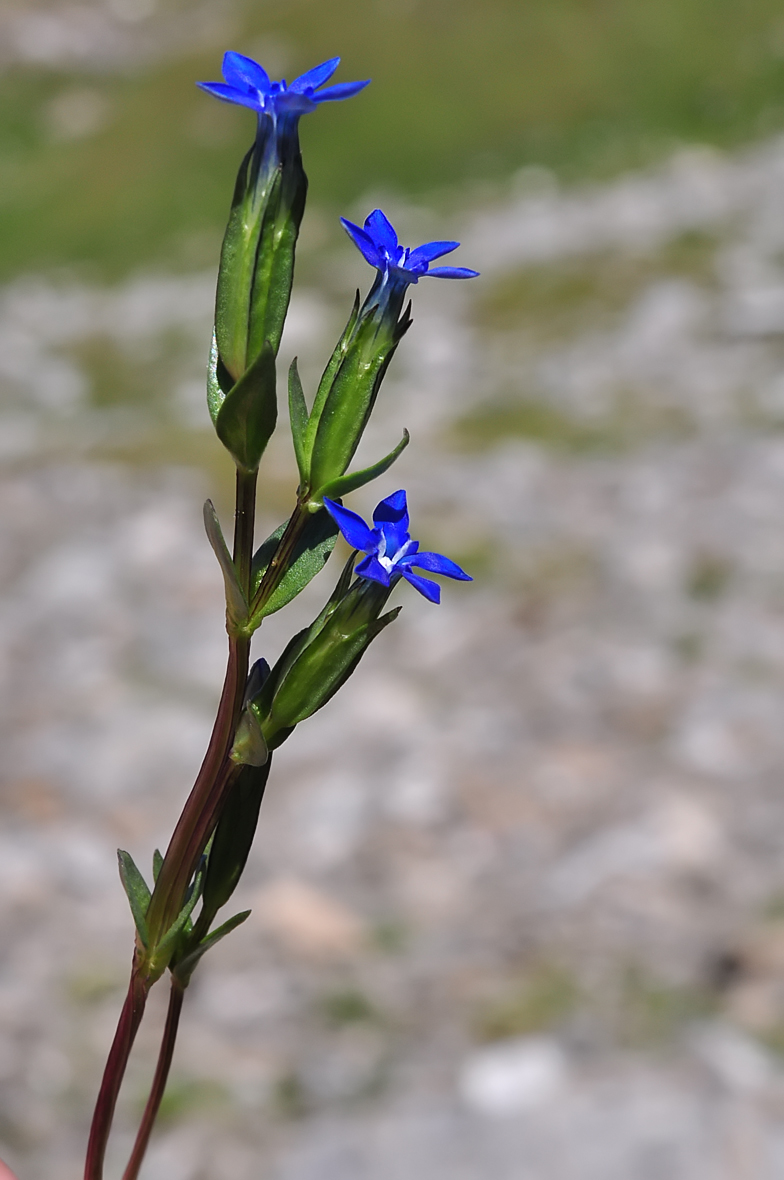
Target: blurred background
[{"x": 518, "y": 893}]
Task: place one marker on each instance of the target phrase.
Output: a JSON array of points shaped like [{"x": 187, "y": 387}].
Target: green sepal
[
  {"x": 249, "y": 748},
  {"x": 298, "y": 417},
  {"x": 274, "y": 270},
  {"x": 261, "y": 702},
  {"x": 219, "y": 381},
  {"x": 314, "y": 545},
  {"x": 137, "y": 892},
  {"x": 327, "y": 376},
  {"x": 249, "y": 412},
  {"x": 349, "y": 483},
  {"x": 350, "y": 398},
  {"x": 319, "y": 660},
  {"x": 323, "y": 668},
  {"x": 185, "y": 967},
  {"x": 236, "y": 603},
  {"x": 255, "y": 182},
  {"x": 157, "y": 864}
]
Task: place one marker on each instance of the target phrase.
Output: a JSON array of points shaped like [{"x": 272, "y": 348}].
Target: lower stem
[
  {"x": 195, "y": 825},
  {"x": 127, "y": 1028},
  {"x": 181, "y": 860},
  {"x": 159, "y": 1081}
]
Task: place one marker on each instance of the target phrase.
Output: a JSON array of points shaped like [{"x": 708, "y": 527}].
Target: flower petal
[
  {"x": 341, "y": 90},
  {"x": 436, "y": 563},
  {"x": 453, "y": 272},
  {"x": 242, "y": 98},
  {"x": 431, "y": 590},
  {"x": 429, "y": 251},
  {"x": 391, "y": 516},
  {"x": 370, "y": 567},
  {"x": 289, "y": 103},
  {"x": 392, "y": 510},
  {"x": 364, "y": 243},
  {"x": 315, "y": 77},
  {"x": 241, "y": 71},
  {"x": 381, "y": 231},
  {"x": 352, "y": 526}
]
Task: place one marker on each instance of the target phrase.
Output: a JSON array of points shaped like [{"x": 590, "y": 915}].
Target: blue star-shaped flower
[
  {"x": 248, "y": 85},
  {"x": 390, "y": 552},
  {"x": 378, "y": 244}
]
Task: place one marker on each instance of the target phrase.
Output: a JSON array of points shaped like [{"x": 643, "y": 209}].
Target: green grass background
[{"x": 461, "y": 93}]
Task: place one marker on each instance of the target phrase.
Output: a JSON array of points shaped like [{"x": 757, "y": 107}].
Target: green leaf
[
  {"x": 249, "y": 747},
  {"x": 137, "y": 892},
  {"x": 219, "y": 381},
  {"x": 184, "y": 968},
  {"x": 349, "y": 483},
  {"x": 316, "y": 542},
  {"x": 298, "y": 415},
  {"x": 236, "y": 603},
  {"x": 249, "y": 412},
  {"x": 157, "y": 864},
  {"x": 162, "y": 951}
]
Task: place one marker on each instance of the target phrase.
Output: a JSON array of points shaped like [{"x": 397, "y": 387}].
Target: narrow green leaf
[
  {"x": 236, "y": 603},
  {"x": 357, "y": 479},
  {"x": 157, "y": 864},
  {"x": 249, "y": 747},
  {"x": 312, "y": 550},
  {"x": 179, "y": 923},
  {"x": 298, "y": 415},
  {"x": 137, "y": 892},
  {"x": 249, "y": 412},
  {"x": 219, "y": 381},
  {"x": 184, "y": 968}
]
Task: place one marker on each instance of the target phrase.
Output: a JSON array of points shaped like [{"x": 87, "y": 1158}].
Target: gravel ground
[{"x": 518, "y": 892}]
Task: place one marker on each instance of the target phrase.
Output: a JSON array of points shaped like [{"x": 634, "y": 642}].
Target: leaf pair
[{"x": 139, "y": 896}]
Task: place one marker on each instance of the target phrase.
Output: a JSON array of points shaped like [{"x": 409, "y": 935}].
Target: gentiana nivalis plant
[{"x": 261, "y": 706}]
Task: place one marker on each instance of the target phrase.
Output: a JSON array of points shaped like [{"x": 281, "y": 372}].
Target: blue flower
[
  {"x": 378, "y": 244},
  {"x": 390, "y": 552},
  {"x": 248, "y": 85}
]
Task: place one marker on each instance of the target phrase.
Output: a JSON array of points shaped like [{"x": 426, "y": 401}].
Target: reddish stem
[
  {"x": 181, "y": 859},
  {"x": 127, "y": 1027},
  {"x": 159, "y": 1081}
]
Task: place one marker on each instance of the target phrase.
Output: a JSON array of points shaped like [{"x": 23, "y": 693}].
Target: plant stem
[
  {"x": 194, "y": 827},
  {"x": 280, "y": 559},
  {"x": 127, "y": 1027},
  {"x": 181, "y": 860},
  {"x": 159, "y": 1081}
]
